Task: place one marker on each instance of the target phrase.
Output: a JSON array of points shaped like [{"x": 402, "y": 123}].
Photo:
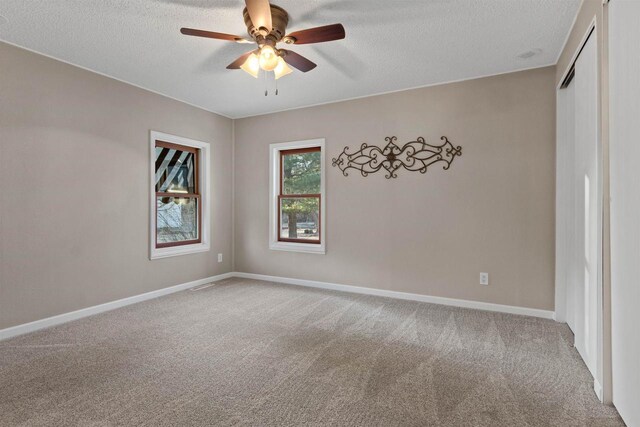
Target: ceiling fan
[{"x": 266, "y": 24}]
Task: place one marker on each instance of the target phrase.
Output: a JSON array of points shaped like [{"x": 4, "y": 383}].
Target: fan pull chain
[
  {"x": 266, "y": 88},
  {"x": 266, "y": 84}
]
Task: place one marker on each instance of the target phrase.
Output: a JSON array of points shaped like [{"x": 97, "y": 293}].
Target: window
[
  {"x": 179, "y": 202},
  {"x": 178, "y": 208},
  {"x": 297, "y": 199}
]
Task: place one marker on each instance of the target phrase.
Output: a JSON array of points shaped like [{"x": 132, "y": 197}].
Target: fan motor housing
[{"x": 279, "y": 21}]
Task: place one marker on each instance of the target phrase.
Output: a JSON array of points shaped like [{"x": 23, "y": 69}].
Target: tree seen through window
[{"x": 299, "y": 199}]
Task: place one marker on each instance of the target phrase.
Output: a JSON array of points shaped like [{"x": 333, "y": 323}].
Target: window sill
[
  {"x": 157, "y": 253},
  {"x": 309, "y": 248}
]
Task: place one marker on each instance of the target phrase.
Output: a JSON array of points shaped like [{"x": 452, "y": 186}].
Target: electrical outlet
[
  {"x": 484, "y": 279},
  {"x": 219, "y": 257}
]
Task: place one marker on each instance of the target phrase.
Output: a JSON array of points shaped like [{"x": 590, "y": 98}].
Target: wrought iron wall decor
[{"x": 413, "y": 156}]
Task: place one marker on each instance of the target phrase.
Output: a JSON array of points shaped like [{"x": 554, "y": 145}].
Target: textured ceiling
[{"x": 391, "y": 45}]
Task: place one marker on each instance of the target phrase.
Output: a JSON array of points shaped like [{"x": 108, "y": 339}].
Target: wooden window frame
[
  {"x": 195, "y": 195},
  {"x": 202, "y": 150},
  {"x": 282, "y": 195}
]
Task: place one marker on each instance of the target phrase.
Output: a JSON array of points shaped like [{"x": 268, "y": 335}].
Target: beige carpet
[{"x": 245, "y": 352}]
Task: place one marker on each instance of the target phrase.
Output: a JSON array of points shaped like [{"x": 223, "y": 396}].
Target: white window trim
[
  {"x": 274, "y": 186},
  {"x": 204, "y": 176}
]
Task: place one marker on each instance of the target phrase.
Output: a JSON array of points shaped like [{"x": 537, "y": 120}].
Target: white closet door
[
  {"x": 565, "y": 208},
  {"x": 586, "y": 184}
]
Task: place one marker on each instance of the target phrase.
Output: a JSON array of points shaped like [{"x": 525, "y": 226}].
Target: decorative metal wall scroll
[{"x": 413, "y": 156}]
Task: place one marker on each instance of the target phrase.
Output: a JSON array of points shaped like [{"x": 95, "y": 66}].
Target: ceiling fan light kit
[
  {"x": 282, "y": 69},
  {"x": 267, "y": 24},
  {"x": 268, "y": 58},
  {"x": 252, "y": 65}
]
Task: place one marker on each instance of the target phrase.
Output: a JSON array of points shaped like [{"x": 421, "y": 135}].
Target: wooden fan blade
[
  {"x": 238, "y": 62},
  {"x": 213, "y": 35},
  {"x": 326, "y": 33},
  {"x": 297, "y": 61},
  {"x": 260, "y": 13}
]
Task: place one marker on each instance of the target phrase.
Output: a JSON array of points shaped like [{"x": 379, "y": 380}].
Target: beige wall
[
  {"x": 430, "y": 234},
  {"x": 74, "y": 202},
  {"x": 74, "y": 177}
]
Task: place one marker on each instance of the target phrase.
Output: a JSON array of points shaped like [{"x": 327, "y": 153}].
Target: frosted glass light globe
[{"x": 268, "y": 58}]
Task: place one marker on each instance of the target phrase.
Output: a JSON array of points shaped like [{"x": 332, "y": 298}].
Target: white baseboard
[
  {"x": 90, "y": 311},
  {"x": 477, "y": 305}
]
